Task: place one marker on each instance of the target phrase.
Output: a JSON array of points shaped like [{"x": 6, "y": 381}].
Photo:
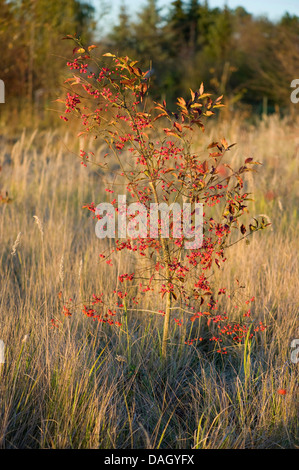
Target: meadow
[{"x": 88, "y": 385}]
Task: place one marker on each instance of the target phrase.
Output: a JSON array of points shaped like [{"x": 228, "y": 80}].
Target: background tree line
[{"x": 250, "y": 60}]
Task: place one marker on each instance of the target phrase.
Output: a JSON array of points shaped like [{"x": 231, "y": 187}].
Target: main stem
[
  {"x": 166, "y": 260},
  {"x": 166, "y": 326}
]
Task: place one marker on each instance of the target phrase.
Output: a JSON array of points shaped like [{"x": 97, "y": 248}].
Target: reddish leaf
[{"x": 178, "y": 126}]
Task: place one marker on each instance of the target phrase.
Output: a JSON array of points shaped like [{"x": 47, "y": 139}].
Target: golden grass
[{"x": 90, "y": 386}]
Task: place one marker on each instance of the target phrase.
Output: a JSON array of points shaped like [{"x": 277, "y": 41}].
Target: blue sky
[{"x": 274, "y": 9}]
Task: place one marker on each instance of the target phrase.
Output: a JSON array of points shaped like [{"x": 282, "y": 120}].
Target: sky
[{"x": 273, "y": 9}]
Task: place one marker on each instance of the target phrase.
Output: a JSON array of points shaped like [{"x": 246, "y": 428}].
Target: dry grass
[{"x": 90, "y": 386}]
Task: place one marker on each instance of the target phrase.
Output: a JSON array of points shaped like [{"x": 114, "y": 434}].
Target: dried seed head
[
  {"x": 39, "y": 224},
  {"x": 16, "y": 243},
  {"x": 61, "y": 270},
  {"x": 120, "y": 358},
  {"x": 80, "y": 269}
]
